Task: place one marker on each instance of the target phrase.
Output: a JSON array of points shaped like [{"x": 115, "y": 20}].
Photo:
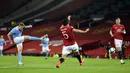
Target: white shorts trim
[
  {"x": 45, "y": 49},
  {"x": 118, "y": 43},
  {"x": 19, "y": 40},
  {"x": 68, "y": 49},
  {"x": 1, "y": 47}
]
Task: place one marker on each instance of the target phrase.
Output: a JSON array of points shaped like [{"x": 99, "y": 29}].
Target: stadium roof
[
  {"x": 9, "y": 6},
  {"x": 24, "y": 10}
]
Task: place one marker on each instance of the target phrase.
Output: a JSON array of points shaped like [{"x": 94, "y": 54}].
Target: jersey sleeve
[
  {"x": 123, "y": 27},
  {"x": 112, "y": 28},
  {"x": 72, "y": 27},
  {"x": 12, "y": 31}
]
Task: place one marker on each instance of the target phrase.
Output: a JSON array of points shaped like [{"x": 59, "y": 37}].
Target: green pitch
[{"x": 8, "y": 64}]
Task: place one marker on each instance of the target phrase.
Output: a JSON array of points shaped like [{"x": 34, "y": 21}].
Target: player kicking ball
[
  {"x": 69, "y": 41},
  {"x": 45, "y": 45},
  {"x": 117, "y": 32},
  {"x": 18, "y": 39},
  {"x": 2, "y": 42}
]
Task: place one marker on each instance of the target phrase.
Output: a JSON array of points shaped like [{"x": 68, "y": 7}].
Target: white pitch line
[
  {"x": 27, "y": 65},
  {"x": 8, "y": 66},
  {"x": 49, "y": 65}
]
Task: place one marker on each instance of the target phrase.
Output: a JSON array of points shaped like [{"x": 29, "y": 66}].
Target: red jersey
[
  {"x": 117, "y": 31},
  {"x": 68, "y": 35}
]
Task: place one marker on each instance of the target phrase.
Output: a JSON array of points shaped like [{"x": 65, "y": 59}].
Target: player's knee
[
  {"x": 19, "y": 50},
  {"x": 26, "y": 37},
  {"x": 62, "y": 60},
  {"x": 19, "y": 47}
]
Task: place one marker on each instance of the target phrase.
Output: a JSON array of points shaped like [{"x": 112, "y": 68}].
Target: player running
[
  {"x": 18, "y": 39},
  {"x": 117, "y": 32},
  {"x": 45, "y": 45},
  {"x": 2, "y": 42},
  {"x": 70, "y": 44}
]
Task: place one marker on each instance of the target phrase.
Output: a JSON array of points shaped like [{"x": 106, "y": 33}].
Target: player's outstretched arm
[
  {"x": 5, "y": 43},
  {"x": 29, "y": 26},
  {"x": 111, "y": 33},
  {"x": 40, "y": 44},
  {"x": 81, "y": 31},
  {"x": 43, "y": 36}
]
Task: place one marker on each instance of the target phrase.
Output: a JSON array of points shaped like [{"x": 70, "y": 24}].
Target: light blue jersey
[
  {"x": 45, "y": 42},
  {"x": 15, "y": 32},
  {"x": 2, "y": 41}
]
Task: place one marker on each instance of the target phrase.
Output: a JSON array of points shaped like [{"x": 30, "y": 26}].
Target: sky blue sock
[
  {"x": 47, "y": 53},
  {"x": 19, "y": 57},
  {"x": 34, "y": 38},
  {"x": 1, "y": 52}
]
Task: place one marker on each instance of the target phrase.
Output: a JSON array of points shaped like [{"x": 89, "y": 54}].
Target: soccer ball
[{"x": 112, "y": 50}]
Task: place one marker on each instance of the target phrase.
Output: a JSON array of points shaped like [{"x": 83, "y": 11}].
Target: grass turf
[{"x": 8, "y": 64}]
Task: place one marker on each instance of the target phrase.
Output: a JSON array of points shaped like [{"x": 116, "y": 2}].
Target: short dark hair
[
  {"x": 21, "y": 24},
  {"x": 117, "y": 18},
  {"x": 65, "y": 22}
]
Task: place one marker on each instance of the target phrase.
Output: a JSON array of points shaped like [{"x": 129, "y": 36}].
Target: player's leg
[
  {"x": 31, "y": 38},
  {"x": 1, "y": 49},
  {"x": 123, "y": 51},
  {"x": 18, "y": 41},
  {"x": 120, "y": 55},
  {"x": 47, "y": 53},
  {"x": 77, "y": 54},
  {"x": 118, "y": 45},
  {"x": 41, "y": 52},
  {"x": 21, "y": 39},
  {"x": 19, "y": 47},
  {"x": 61, "y": 60},
  {"x": 109, "y": 54},
  {"x": 65, "y": 52},
  {"x": 107, "y": 49}
]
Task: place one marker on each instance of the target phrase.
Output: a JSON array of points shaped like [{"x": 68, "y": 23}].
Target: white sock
[{"x": 121, "y": 61}]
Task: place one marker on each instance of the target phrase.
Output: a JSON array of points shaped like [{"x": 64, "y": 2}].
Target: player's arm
[
  {"x": 41, "y": 45},
  {"x": 80, "y": 31},
  {"x": 50, "y": 43},
  {"x": 124, "y": 31},
  {"x": 9, "y": 36},
  {"x": 5, "y": 42},
  {"x": 43, "y": 36},
  {"x": 111, "y": 33},
  {"x": 29, "y": 26}
]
